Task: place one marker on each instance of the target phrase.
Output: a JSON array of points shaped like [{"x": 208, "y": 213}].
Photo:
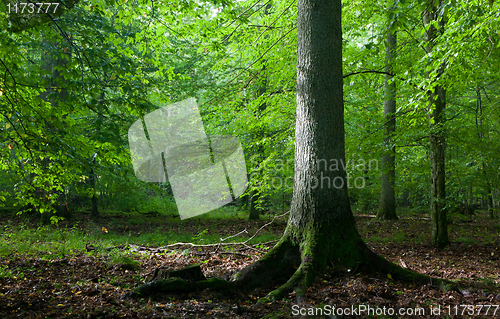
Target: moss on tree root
[
  {"x": 276, "y": 266},
  {"x": 282, "y": 265},
  {"x": 183, "y": 280},
  {"x": 354, "y": 255},
  {"x": 293, "y": 265}
]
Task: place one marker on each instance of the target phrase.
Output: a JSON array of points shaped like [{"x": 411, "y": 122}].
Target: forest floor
[{"x": 91, "y": 281}]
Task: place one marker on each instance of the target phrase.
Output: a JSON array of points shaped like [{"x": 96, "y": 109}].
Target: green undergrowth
[{"x": 52, "y": 242}]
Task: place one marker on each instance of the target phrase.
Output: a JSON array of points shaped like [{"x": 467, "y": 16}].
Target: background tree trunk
[
  {"x": 437, "y": 103},
  {"x": 254, "y": 211},
  {"x": 387, "y": 206},
  {"x": 484, "y": 166},
  {"x": 52, "y": 62}
]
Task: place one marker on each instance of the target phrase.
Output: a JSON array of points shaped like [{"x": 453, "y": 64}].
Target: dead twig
[
  {"x": 245, "y": 243},
  {"x": 265, "y": 225}
]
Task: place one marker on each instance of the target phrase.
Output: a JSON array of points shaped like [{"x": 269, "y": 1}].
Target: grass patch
[
  {"x": 466, "y": 240},
  {"x": 122, "y": 260},
  {"x": 136, "y": 221},
  {"x": 51, "y": 242}
]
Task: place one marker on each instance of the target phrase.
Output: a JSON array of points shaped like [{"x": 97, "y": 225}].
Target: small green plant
[
  {"x": 487, "y": 283},
  {"x": 376, "y": 239},
  {"x": 5, "y": 272},
  {"x": 199, "y": 238},
  {"x": 123, "y": 261},
  {"x": 400, "y": 237},
  {"x": 420, "y": 239}
]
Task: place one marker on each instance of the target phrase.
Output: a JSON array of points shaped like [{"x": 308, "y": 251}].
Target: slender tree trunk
[
  {"x": 438, "y": 177},
  {"x": 94, "y": 209},
  {"x": 254, "y": 211},
  {"x": 387, "y": 207},
  {"x": 479, "y": 125},
  {"x": 491, "y": 208},
  {"x": 437, "y": 102},
  {"x": 93, "y": 177}
]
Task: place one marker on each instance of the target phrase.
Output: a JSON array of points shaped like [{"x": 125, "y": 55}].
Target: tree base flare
[
  {"x": 291, "y": 267},
  {"x": 301, "y": 267},
  {"x": 185, "y": 280}
]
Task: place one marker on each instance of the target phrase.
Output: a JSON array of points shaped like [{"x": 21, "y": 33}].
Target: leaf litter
[{"x": 88, "y": 286}]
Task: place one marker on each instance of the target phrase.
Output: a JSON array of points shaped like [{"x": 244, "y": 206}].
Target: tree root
[
  {"x": 293, "y": 267},
  {"x": 276, "y": 266},
  {"x": 299, "y": 278}
]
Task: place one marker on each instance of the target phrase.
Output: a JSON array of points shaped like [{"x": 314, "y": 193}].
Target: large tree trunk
[
  {"x": 387, "y": 206},
  {"x": 437, "y": 102},
  {"x": 321, "y": 230}
]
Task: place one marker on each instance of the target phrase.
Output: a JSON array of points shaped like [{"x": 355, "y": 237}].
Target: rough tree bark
[
  {"x": 437, "y": 102},
  {"x": 387, "y": 206}
]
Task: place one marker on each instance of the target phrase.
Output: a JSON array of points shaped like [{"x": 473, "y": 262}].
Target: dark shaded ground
[{"x": 87, "y": 287}]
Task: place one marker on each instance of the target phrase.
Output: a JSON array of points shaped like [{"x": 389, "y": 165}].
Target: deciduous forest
[{"x": 357, "y": 143}]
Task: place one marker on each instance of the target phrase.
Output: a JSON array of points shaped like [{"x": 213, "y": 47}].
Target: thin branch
[
  {"x": 269, "y": 223},
  {"x": 286, "y": 9},
  {"x": 260, "y": 57},
  {"x": 229, "y": 36},
  {"x": 245, "y": 243},
  {"x": 249, "y": 8},
  {"x": 364, "y": 72},
  {"x": 385, "y": 73},
  {"x": 244, "y": 231}
]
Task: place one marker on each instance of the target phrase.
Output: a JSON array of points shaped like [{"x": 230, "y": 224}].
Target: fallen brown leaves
[{"x": 82, "y": 286}]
